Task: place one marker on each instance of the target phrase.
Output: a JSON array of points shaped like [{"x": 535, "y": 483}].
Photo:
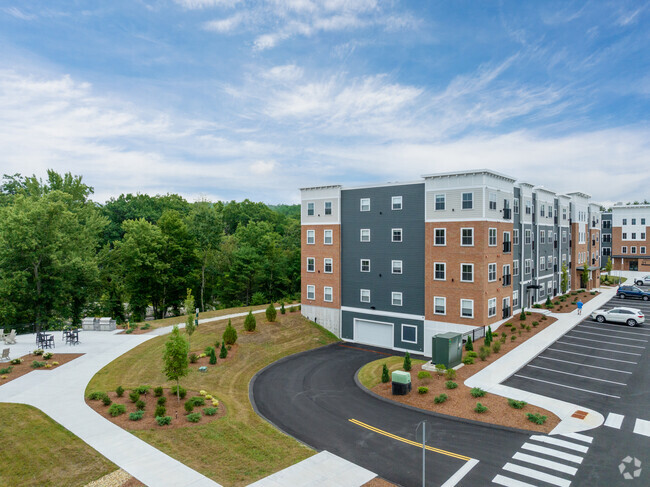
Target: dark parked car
[{"x": 632, "y": 292}]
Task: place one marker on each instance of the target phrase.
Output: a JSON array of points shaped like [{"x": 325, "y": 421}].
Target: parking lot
[{"x": 595, "y": 365}]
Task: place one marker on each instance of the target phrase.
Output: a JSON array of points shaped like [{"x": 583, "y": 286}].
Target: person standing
[{"x": 580, "y": 304}]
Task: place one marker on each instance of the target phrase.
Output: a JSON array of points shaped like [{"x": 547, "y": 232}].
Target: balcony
[
  {"x": 593, "y": 243},
  {"x": 507, "y": 214},
  {"x": 507, "y": 247},
  {"x": 506, "y": 279},
  {"x": 506, "y": 313}
]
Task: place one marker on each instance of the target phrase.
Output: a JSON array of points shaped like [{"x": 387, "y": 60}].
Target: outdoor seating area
[
  {"x": 9, "y": 338},
  {"x": 45, "y": 340},
  {"x": 71, "y": 337}
]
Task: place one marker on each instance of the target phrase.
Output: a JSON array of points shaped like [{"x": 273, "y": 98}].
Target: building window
[
  {"x": 624, "y": 234},
  {"x": 397, "y": 235},
  {"x": 642, "y": 251},
  {"x": 439, "y": 305},
  {"x": 633, "y": 235},
  {"x": 529, "y": 207},
  {"x": 492, "y": 307},
  {"x": 506, "y": 274},
  {"x": 542, "y": 237},
  {"x": 607, "y": 237},
  {"x": 550, "y": 236},
  {"x": 310, "y": 209},
  {"x": 492, "y": 272},
  {"x": 515, "y": 268},
  {"x": 409, "y": 333},
  {"x": 633, "y": 249},
  {"x": 607, "y": 224},
  {"x": 633, "y": 221},
  {"x": 396, "y": 266},
  {"x": 607, "y": 250},
  {"x": 365, "y": 296},
  {"x": 515, "y": 237},
  {"x": 549, "y": 287},
  {"x": 311, "y": 237},
  {"x": 642, "y": 221},
  {"x": 492, "y": 237},
  {"x": 467, "y": 272},
  {"x": 564, "y": 214},
  {"x": 493, "y": 201},
  {"x": 642, "y": 235},
  {"x": 311, "y": 292},
  {"x": 328, "y": 264},
  {"x": 364, "y": 204},
  {"x": 515, "y": 299},
  {"x": 440, "y": 202},
  {"x": 328, "y": 207},
  {"x": 563, "y": 236},
  {"x": 624, "y": 221},
  {"x": 467, "y": 237},
  {"x": 327, "y": 237},
  {"x": 542, "y": 263},
  {"x": 311, "y": 264},
  {"x": 541, "y": 210},
  {"x": 397, "y": 203},
  {"x": 623, "y": 249},
  {"x": 440, "y": 271},
  {"x": 365, "y": 235},
  {"x": 527, "y": 237},
  {"x": 327, "y": 294},
  {"x": 516, "y": 206},
  {"x": 396, "y": 299},
  {"x": 550, "y": 211},
  {"x": 467, "y": 308},
  {"x": 365, "y": 265},
  {"x": 440, "y": 236},
  {"x": 468, "y": 201},
  {"x": 528, "y": 264}
]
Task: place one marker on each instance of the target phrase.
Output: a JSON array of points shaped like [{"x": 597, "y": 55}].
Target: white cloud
[
  {"x": 261, "y": 168},
  {"x": 225, "y": 25},
  {"x": 287, "y": 72},
  {"x": 19, "y": 14},
  {"x": 199, "y": 4}
]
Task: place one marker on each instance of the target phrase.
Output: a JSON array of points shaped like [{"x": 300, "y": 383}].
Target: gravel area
[
  {"x": 378, "y": 482},
  {"x": 118, "y": 478}
]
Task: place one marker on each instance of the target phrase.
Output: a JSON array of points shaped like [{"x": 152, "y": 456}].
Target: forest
[{"x": 64, "y": 256}]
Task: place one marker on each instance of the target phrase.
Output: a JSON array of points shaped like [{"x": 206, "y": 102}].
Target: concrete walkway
[{"x": 491, "y": 377}]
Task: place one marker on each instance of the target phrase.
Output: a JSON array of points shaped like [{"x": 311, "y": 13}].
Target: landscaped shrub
[
  {"x": 36, "y": 364},
  {"x": 528, "y": 328},
  {"x": 513, "y": 338},
  {"x": 484, "y": 353},
  {"x": 440, "y": 369},
  {"x": 250, "y": 323},
  {"x": 210, "y": 411},
  {"x": 472, "y": 354},
  {"x": 213, "y": 356},
  {"x": 522, "y": 326},
  {"x": 528, "y": 313},
  {"x": 161, "y": 402},
  {"x": 496, "y": 347},
  {"x": 181, "y": 391},
  {"x": 407, "y": 362},
  {"x": 189, "y": 406},
  {"x": 158, "y": 391},
  {"x": 480, "y": 408},
  {"x": 140, "y": 404},
  {"x": 544, "y": 318},
  {"x": 271, "y": 313},
  {"x": 134, "y": 396},
  {"x": 450, "y": 384},
  {"x": 16, "y": 361},
  {"x": 229, "y": 334},
  {"x": 468, "y": 360},
  {"x": 197, "y": 400},
  {"x": 450, "y": 374},
  {"x": 468, "y": 344},
  {"x": 440, "y": 399},
  {"x": 119, "y": 391},
  {"x": 96, "y": 395},
  {"x": 424, "y": 374},
  {"x": 163, "y": 420},
  {"x": 194, "y": 358},
  {"x": 536, "y": 418},
  {"x": 194, "y": 417},
  {"x": 223, "y": 353},
  {"x": 477, "y": 392},
  {"x": 142, "y": 389},
  {"x": 293, "y": 309},
  {"x": 116, "y": 409},
  {"x": 129, "y": 331},
  {"x": 282, "y": 310},
  {"x": 522, "y": 316},
  {"x": 206, "y": 351},
  {"x": 48, "y": 355},
  {"x": 146, "y": 326},
  {"x": 423, "y": 390},
  {"x": 384, "y": 374},
  {"x": 503, "y": 334},
  {"x": 6, "y": 370},
  {"x": 548, "y": 302},
  {"x": 38, "y": 352},
  {"x": 535, "y": 324},
  {"x": 137, "y": 416},
  {"x": 106, "y": 400},
  {"x": 516, "y": 404},
  {"x": 160, "y": 411}
]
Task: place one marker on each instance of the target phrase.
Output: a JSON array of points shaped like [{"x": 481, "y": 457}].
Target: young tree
[
  {"x": 250, "y": 323},
  {"x": 271, "y": 313},
  {"x": 468, "y": 344},
  {"x": 407, "y": 362},
  {"x": 189, "y": 309},
  {"x": 229, "y": 334},
  {"x": 282, "y": 310},
  {"x": 176, "y": 364},
  {"x": 564, "y": 282},
  {"x": 213, "y": 356},
  {"x": 384, "y": 374},
  {"x": 223, "y": 353},
  {"x": 585, "y": 276}
]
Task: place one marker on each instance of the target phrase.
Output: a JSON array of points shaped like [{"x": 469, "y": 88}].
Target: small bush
[
  {"x": 210, "y": 411},
  {"x": 513, "y": 338},
  {"x": 189, "y": 406},
  {"x": 116, "y": 409},
  {"x": 528, "y": 313},
  {"x": 450, "y": 374},
  {"x": 537, "y": 306},
  {"x": 194, "y": 358},
  {"x": 181, "y": 391},
  {"x": 423, "y": 390},
  {"x": 207, "y": 350},
  {"x": 544, "y": 318},
  {"x": 134, "y": 396},
  {"x": 282, "y": 310},
  {"x": 48, "y": 355},
  {"x": 522, "y": 316},
  {"x": 106, "y": 400},
  {"x": 129, "y": 331},
  {"x": 197, "y": 400},
  {"x": 450, "y": 384},
  {"x": 440, "y": 369},
  {"x": 496, "y": 347},
  {"x": 484, "y": 353},
  {"x": 440, "y": 399},
  {"x": 119, "y": 391},
  {"x": 158, "y": 391},
  {"x": 250, "y": 323},
  {"x": 160, "y": 411},
  {"x": 424, "y": 374},
  {"x": 516, "y": 404},
  {"x": 96, "y": 395},
  {"x": 271, "y": 313},
  {"x": 522, "y": 326},
  {"x": 528, "y": 328},
  {"x": 536, "y": 418},
  {"x": 6, "y": 370},
  {"x": 503, "y": 340},
  {"x": 477, "y": 392},
  {"x": 229, "y": 334},
  {"x": 161, "y": 402},
  {"x": 140, "y": 405},
  {"x": 407, "y": 362},
  {"x": 36, "y": 364},
  {"x": 468, "y": 360},
  {"x": 137, "y": 416},
  {"x": 503, "y": 335},
  {"x": 472, "y": 354},
  {"x": 535, "y": 324},
  {"x": 480, "y": 408},
  {"x": 194, "y": 417},
  {"x": 16, "y": 361},
  {"x": 142, "y": 389},
  {"x": 38, "y": 352},
  {"x": 593, "y": 293},
  {"x": 468, "y": 344},
  {"x": 163, "y": 420},
  {"x": 146, "y": 326}
]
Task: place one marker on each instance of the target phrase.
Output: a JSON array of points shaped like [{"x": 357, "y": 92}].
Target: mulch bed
[
  {"x": 205, "y": 361},
  {"x": 460, "y": 403},
  {"x": 174, "y": 409},
  {"x": 26, "y": 366},
  {"x": 139, "y": 331},
  {"x": 568, "y": 306}
]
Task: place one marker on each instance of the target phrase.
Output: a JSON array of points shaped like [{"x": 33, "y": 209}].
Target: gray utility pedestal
[
  {"x": 447, "y": 349},
  {"x": 401, "y": 382}
]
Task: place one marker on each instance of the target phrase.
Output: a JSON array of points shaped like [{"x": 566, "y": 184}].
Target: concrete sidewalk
[{"x": 491, "y": 377}]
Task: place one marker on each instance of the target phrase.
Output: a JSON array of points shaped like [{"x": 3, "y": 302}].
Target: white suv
[
  {"x": 629, "y": 316},
  {"x": 640, "y": 281}
]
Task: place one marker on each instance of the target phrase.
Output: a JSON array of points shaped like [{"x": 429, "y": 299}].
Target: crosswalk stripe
[
  {"x": 579, "y": 437},
  {"x": 642, "y": 427},
  {"x": 614, "y": 420},
  {"x": 535, "y": 474},
  {"x": 552, "y": 453},
  {"x": 541, "y": 462},
  {"x": 508, "y": 482},
  {"x": 561, "y": 443}
]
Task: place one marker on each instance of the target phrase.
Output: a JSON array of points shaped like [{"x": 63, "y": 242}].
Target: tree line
[{"x": 64, "y": 256}]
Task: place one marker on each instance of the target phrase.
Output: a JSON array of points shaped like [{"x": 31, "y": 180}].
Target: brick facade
[{"x": 320, "y": 251}]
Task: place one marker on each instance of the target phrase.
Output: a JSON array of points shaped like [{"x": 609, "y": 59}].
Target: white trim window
[
  {"x": 439, "y": 305},
  {"x": 328, "y": 295},
  {"x": 467, "y": 237},
  {"x": 529, "y": 207},
  {"x": 396, "y": 266},
  {"x": 492, "y": 203},
  {"x": 563, "y": 236},
  {"x": 492, "y": 272},
  {"x": 541, "y": 210},
  {"x": 396, "y": 203},
  {"x": 467, "y": 201},
  {"x": 328, "y": 238},
  {"x": 365, "y": 265},
  {"x": 396, "y": 235},
  {"x": 439, "y": 237},
  {"x": 328, "y": 265},
  {"x": 311, "y": 264},
  {"x": 515, "y": 237},
  {"x": 506, "y": 273},
  {"x": 311, "y": 237},
  {"x": 515, "y": 267},
  {"x": 439, "y": 271},
  {"x": 364, "y": 295},
  {"x": 396, "y": 298},
  {"x": 549, "y": 287},
  {"x": 440, "y": 202},
  {"x": 527, "y": 237},
  {"x": 515, "y": 299},
  {"x": 411, "y": 335},
  {"x": 365, "y": 235},
  {"x": 492, "y": 307},
  {"x": 542, "y": 237},
  {"x": 549, "y": 236},
  {"x": 310, "y": 208},
  {"x": 642, "y": 250},
  {"x": 328, "y": 207},
  {"x": 542, "y": 263},
  {"x": 516, "y": 206},
  {"x": 364, "y": 204},
  {"x": 492, "y": 237},
  {"x": 528, "y": 265},
  {"x": 311, "y": 292},
  {"x": 467, "y": 308},
  {"x": 467, "y": 273},
  {"x": 633, "y": 249}
]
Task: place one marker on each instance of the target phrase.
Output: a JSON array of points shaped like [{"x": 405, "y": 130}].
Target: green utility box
[
  {"x": 447, "y": 349},
  {"x": 401, "y": 382}
]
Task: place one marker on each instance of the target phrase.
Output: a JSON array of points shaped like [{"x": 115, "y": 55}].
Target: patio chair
[
  {"x": 5, "y": 355},
  {"x": 11, "y": 338}
]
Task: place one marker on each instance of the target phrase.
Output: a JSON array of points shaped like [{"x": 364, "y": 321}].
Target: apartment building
[
  {"x": 393, "y": 265},
  {"x": 628, "y": 241}
]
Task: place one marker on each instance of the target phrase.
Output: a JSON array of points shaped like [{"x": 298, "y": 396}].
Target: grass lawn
[
  {"x": 370, "y": 374},
  {"x": 239, "y": 448},
  {"x": 37, "y": 451}
]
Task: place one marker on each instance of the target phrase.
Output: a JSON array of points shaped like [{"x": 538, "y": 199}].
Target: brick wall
[{"x": 318, "y": 278}]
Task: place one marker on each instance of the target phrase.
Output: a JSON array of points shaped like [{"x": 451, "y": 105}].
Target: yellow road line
[{"x": 409, "y": 442}]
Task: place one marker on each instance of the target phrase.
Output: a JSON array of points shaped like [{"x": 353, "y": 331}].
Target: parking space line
[
  {"x": 595, "y": 348},
  {"x": 535, "y": 474},
  {"x": 561, "y": 443},
  {"x": 508, "y": 482},
  {"x": 640, "y": 330},
  {"x": 552, "y": 453},
  {"x": 541, "y": 462},
  {"x": 577, "y": 375},
  {"x": 568, "y": 387},
  {"x": 584, "y": 365},
  {"x": 642, "y": 427},
  {"x": 611, "y": 331},
  {"x": 614, "y": 420},
  {"x": 606, "y": 343},
  {"x": 611, "y": 336},
  {"x": 593, "y": 356}
]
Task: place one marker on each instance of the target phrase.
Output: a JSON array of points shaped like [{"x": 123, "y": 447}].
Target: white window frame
[
  {"x": 541, "y": 210},
  {"x": 515, "y": 237},
  {"x": 549, "y": 287},
  {"x": 633, "y": 249},
  {"x": 311, "y": 291},
  {"x": 527, "y": 237},
  {"x": 623, "y": 249},
  {"x": 361, "y": 262},
  {"x": 331, "y": 293},
  {"x": 392, "y": 235},
  {"x": 329, "y": 233},
  {"x": 528, "y": 266},
  {"x": 471, "y": 301},
  {"x": 492, "y": 272},
  {"x": 311, "y": 208},
  {"x": 492, "y": 234},
  {"x": 444, "y": 270},
  {"x": 506, "y": 270},
  {"x": 311, "y": 260},
  {"x": 326, "y": 208},
  {"x": 642, "y": 251},
  {"x": 399, "y": 295},
  {"x": 492, "y": 311},
  {"x": 311, "y": 237},
  {"x": 361, "y": 235},
  {"x": 327, "y": 260},
  {"x": 462, "y": 236},
  {"x": 396, "y": 200},
  {"x": 515, "y": 267},
  {"x": 444, "y": 202},
  {"x": 461, "y": 272},
  {"x": 529, "y": 207},
  {"x": 444, "y": 305},
  {"x": 542, "y": 237},
  {"x": 404, "y": 325},
  {"x": 444, "y": 237},
  {"x": 399, "y": 264},
  {"x": 364, "y": 204},
  {"x": 471, "y": 201},
  {"x": 542, "y": 263},
  {"x": 516, "y": 206},
  {"x": 364, "y": 293},
  {"x": 515, "y": 299},
  {"x": 492, "y": 201},
  {"x": 549, "y": 236}
]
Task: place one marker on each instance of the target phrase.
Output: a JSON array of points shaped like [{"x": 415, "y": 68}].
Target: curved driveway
[{"x": 312, "y": 396}]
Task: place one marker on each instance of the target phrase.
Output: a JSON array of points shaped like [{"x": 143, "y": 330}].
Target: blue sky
[{"x": 230, "y": 99}]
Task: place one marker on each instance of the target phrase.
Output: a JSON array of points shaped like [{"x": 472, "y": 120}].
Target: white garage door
[{"x": 374, "y": 333}]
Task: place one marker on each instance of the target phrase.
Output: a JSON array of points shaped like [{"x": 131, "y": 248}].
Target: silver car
[
  {"x": 642, "y": 281},
  {"x": 629, "y": 316}
]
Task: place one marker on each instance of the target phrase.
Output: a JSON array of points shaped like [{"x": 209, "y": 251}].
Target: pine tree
[
  {"x": 282, "y": 310},
  {"x": 230, "y": 334},
  {"x": 223, "y": 353},
  {"x": 407, "y": 362},
  {"x": 468, "y": 344},
  {"x": 384, "y": 374},
  {"x": 249, "y": 322},
  {"x": 213, "y": 356},
  {"x": 271, "y": 313}
]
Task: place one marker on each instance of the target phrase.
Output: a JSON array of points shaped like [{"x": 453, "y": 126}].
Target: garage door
[{"x": 374, "y": 333}]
